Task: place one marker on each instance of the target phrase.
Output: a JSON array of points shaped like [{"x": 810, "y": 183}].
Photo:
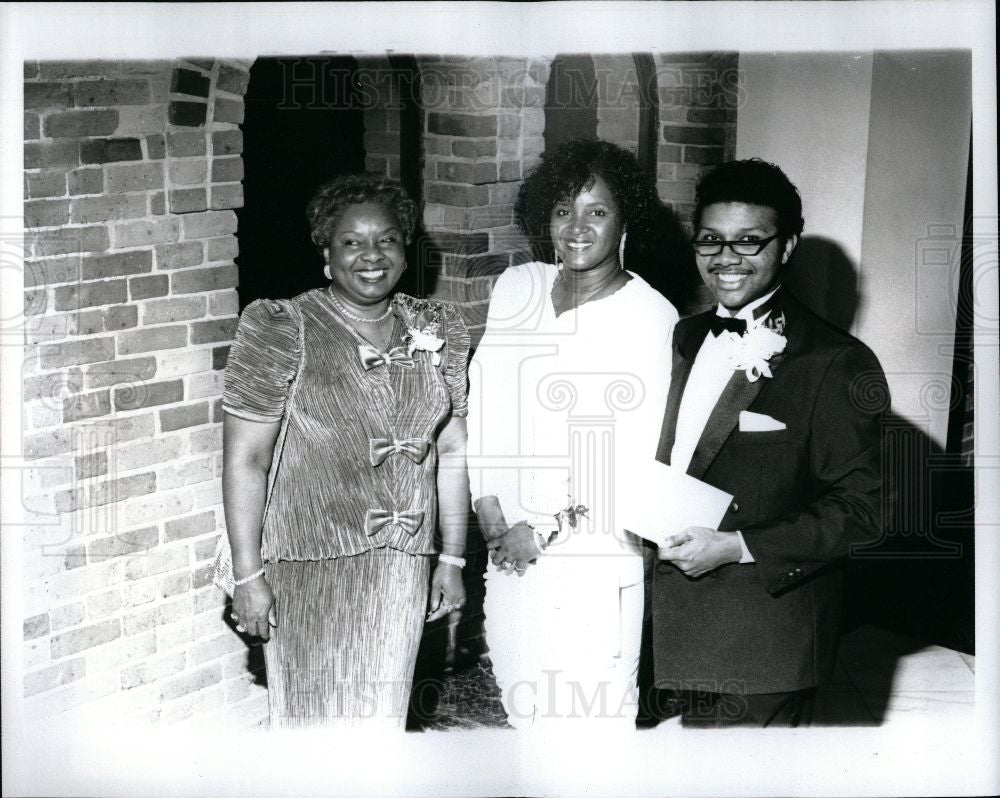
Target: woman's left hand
[{"x": 447, "y": 591}]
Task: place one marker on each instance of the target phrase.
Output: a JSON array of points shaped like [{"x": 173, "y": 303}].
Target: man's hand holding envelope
[{"x": 681, "y": 515}]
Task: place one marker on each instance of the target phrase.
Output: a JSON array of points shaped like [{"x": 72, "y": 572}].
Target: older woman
[
  {"x": 344, "y": 433},
  {"x": 570, "y": 381}
]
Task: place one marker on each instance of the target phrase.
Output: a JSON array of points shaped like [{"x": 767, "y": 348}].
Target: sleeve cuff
[
  {"x": 747, "y": 557},
  {"x": 251, "y": 416}
]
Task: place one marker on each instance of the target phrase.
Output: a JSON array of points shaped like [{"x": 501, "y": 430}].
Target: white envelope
[
  {"x": 656, "y": 501},
  {"x": 758, "y": 422}
]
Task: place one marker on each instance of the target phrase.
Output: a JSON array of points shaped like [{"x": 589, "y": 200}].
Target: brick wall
[
  {"x": 698, "y": 101},
  {"x": 484, "y": 119},
  {"x": 132, "y": 172},
  {"x": 617, "y": 100}
]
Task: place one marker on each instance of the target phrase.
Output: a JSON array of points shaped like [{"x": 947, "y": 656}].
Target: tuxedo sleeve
[{"x": 845, "y": 462}]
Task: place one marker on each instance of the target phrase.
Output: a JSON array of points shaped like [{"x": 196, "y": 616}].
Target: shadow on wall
[
  {"x": 919, "y": 577},
  {"x": 423, "y": 264},
  {"x": 666, "y": 262},
  {"x": 826, "y": 280}
]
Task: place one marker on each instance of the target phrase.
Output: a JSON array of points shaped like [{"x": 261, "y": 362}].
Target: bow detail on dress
[
  {"x": 413, "y": 448},
  {"x": 410, "y": 520},
  {"x": 371, "y": 357}
]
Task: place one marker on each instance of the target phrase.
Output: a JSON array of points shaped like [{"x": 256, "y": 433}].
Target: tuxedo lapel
[
  {"x": 737, "y": 396},
  {"x": 688, "y": 338}
]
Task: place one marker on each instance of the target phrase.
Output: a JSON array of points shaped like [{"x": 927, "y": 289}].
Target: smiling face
[
  {"x": 366, "y": 255},
  {"x": 737, "y": 280},
  {"x": 586, "y": 230}
]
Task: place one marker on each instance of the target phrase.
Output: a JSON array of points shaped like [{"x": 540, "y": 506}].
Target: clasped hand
[
  {"x": 515, "y": 548},
  {"x": 698, "y": 550}
]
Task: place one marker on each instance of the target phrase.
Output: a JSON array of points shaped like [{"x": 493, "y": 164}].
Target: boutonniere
[{"x": 756, "y": 347}]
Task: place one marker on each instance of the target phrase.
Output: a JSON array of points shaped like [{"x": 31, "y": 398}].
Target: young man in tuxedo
[{"x": 778, "y": 408}]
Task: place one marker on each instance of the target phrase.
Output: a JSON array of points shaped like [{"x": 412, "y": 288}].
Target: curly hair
[
  {"x": 572, "y": 168},
  {"x": 337, "y": 195},
  {"x": 754, "y": 182},
  {"x": 657, "y": 248}
]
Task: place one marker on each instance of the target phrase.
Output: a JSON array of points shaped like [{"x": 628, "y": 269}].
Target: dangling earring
[
  {"x": 326, "y": 264},
  {"x": 326, "y": 271},
  {"x": 621, "y": 250}
]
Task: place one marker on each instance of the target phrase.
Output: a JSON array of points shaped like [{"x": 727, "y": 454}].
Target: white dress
[{"x": 559, "y": 410}]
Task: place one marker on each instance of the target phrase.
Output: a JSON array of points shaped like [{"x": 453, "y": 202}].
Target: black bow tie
[{"x": 721, "y": 324}]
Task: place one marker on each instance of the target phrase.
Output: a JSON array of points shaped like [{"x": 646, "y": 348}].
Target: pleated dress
[{"x": 348, "y": 531}]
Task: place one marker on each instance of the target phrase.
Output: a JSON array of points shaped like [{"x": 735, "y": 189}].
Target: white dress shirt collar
[{"x": 746, "y": 312}]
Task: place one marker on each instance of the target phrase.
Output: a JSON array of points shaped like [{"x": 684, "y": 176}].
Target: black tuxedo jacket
[{"x": 801, "y": 496}]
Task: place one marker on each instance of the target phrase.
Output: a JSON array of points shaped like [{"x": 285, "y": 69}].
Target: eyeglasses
[{"x": 738, "y": 247}]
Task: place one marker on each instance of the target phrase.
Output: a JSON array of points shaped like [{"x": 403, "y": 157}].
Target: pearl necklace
[{"x": 353, "y": 317}]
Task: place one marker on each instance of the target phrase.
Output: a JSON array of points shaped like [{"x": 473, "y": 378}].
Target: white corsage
[
  {"x": 425, "y": 340},
  {"x": 755, "y": 348}
]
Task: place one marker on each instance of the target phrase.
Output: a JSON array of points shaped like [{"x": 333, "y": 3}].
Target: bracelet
[
  {"x": 250, "y": 578},
  {"x": 451, "y": 559}
]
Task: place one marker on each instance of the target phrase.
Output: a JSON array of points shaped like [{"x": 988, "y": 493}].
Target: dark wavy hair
[
  {"x": 337, "y": 195},
  {"x": 656, "y": 246},
  {"x": 754, "y": 182}
]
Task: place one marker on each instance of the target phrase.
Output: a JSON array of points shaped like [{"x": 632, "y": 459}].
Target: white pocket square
[{"x": 758, "y": 422}]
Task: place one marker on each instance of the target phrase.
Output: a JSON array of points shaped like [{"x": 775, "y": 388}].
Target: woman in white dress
[{"x": 567, "y": 392}]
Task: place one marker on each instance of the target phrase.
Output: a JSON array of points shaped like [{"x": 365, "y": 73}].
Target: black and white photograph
[{"x": 557, "y": 398}]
